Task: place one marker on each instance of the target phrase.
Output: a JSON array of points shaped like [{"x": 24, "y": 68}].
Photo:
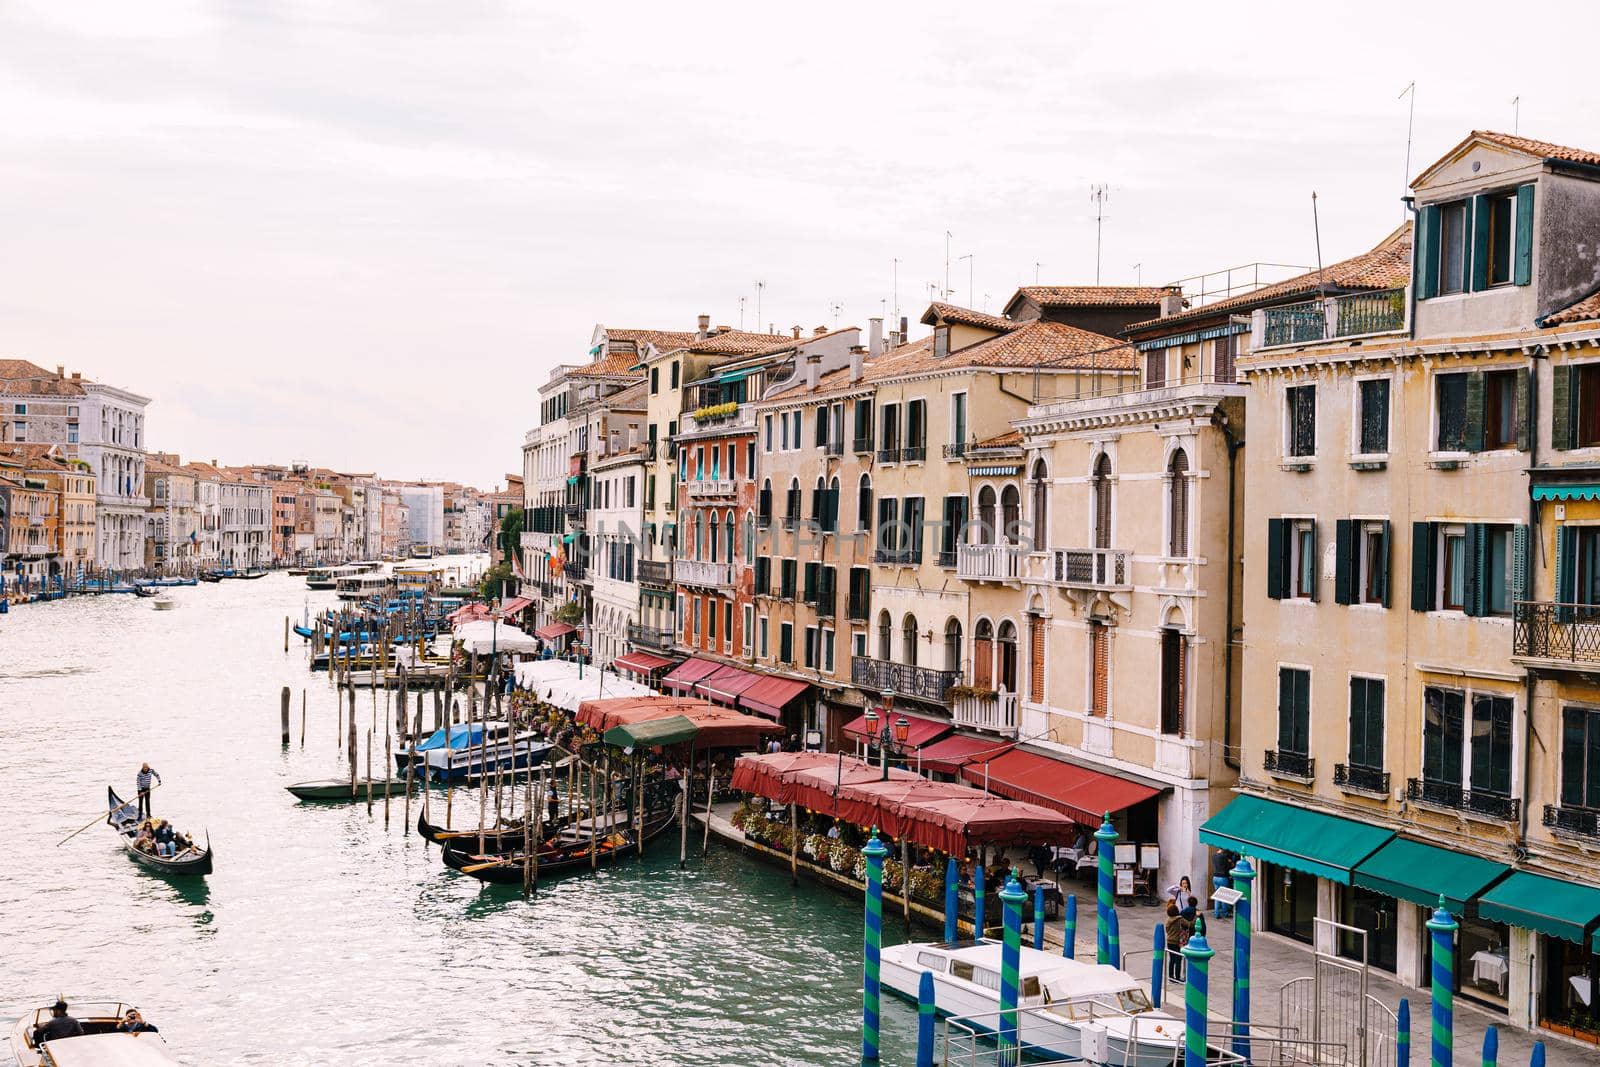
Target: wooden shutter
[
  {"x": 811, "y": 582},
  {"x": 1566, "y": 570},
  {"x": 1563, "y": 393},
  {"x": 1036, "y": 634},
  {"x": 913, "y": 521},
  {"x": 1345, "y": 549},
  {"x": 1316, "y": 570},
  {"x": 983, "y": 663},
  {"x": 1476, "y": 581},
  {"x": 1422, "y": 547},
  {"x": 1475, "y": 411},
  {"x": 1522, "y": 269},
  {"x": 1178, "y": 534},
  {"x": 1519, "y": 563},
  {"x": 1100, "y": 640},
  {"x": 1480, "y": 243},
  {"x": 1277, "y": 561},
  {"x": 1524, "y": 387},
  {"x": 887, "y": 508},
  {"x": 1383, "y": 565},
  {"x": 1426, "y": 256}
]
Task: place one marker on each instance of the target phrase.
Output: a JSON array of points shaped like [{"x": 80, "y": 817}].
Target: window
[
  {"x": 1099, "y": 669},
  {"x": 1174, "y": 653},
  {"x": 1477, "y": 568},
  {"x": 809, "y": 589},
  {"x": 1580, "y": 758},
  {"x": 1483, "y": 410},
  {"x": 1303, "y": 562},
  {"x": 783, "y": 431},
  {"x": 1039, "y": 492},
  {"x": 763, "y": 637},
  {"x": 1301, "y": 420},
  {"x": 786, "y": 642},
  {"x": 941, "y": 342},
  {"x": 952, "y": 529},
  {"x": 811, "y": 648},
  {"x": 916, "y": 429},
  {"x": 827, "y": 640},
  {"x": 889, "y": 527},
  {"x": 786, "y": 573},
  {"x": 763, "y": 576},
  {"x": 1366, "y": 723},
  {"x": 1374, "y": 417},
  {"x": 864, "y": 503},
  {"x": 749, "y": 618},
  {"x": 696, "y": 616},
  {"x": 863, "y": 425},
  {"x": 885, "y": 628},
  {"x": 1499, "y": 257},
  {"x": 891, "y": 428},
  {"x": 1453, "y": 758},
  {"x": 1453, "y": 238},
  {"x": 1361, "y": 566},
  {"x": 766, "y": 429},
  {"x": 958, "y": 422},
  {"x": 822, "y": 427},
  {"x": 1294, "y": 711},
  {"x": 727, "y": 625},
  {"x": 655, "y": 380},
  {"x": 1102, "y": 501},
  {"x": 911, "y": 546},
  {"x": 1178, "y": 504},
  {"x": 1010, "y": 514},
  {"x": 1490, "y": 745},
  {"x": 952, "y": 644},
  {"x": 1155, "y": 368},
  {"x": 764, "y": 504},
  {"x": 750, "y": 459},
  {"x": 1006, "y": 648},
  {"x": 1500, "y": 410},
  {"x": 711, "y": 620},
  {"x": 1453, "y": 573},
  {"x": 674, "y": 375},
  {"x": 908, "y": 640},
  {"x": 791, "y": 510},
  {"x": 1575, "y": 406},
  {"x": 1443, "y": 731},
  {"x": 986, "y": 529}
]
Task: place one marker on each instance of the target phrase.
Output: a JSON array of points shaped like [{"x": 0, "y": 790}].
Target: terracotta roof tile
[
  {"x": 1009, "y": 439},
  {"x": 939, "y": 312},
  {"x": 1387, "y": 266},
  {"x": 1096, "y": 295},
  {"x": 1587, "y": 308},
  {"x": 1542, "y": 149},
  {"x": 18, "y": 377},
  {"x": 1051, "y": 345},
  {"x": 613, "y": 365}
]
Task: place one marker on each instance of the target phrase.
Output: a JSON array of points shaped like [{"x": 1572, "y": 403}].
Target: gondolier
[{"x": 142, "y": 784}]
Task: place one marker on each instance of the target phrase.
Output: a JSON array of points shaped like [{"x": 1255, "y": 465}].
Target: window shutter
[
  {"x": 1566, "y": 570},
  {"x": 1473, "y": 593},
  {"x": 1036, "y": 667},
  {"x": 1422, "y": 566},
  {"x": 811, "y": 583},
  {"x": 1522, "y": 270},
  {"x": 983, "y": 663},
  {"x": 959, "y": 536},
  {"x": 1524, "y": 387},
  {"x": 1519, "y": 563},
  {"x": 1480, "y": 243},
  {"x": 1344, "y": 578},
  {"x": 1316, "y": 568},
  {"x": 1285, "y": 710},
  {"x": 1383, "y": 565},
  {"x": 1426, "y": 256},
  {"x": 1475, "y": 411},
  {"x": 1562, "y": 394},
  {"x": 1101, "y": 637},
  {"x": 825, "y": 583},
  {"x": 1276, "y": 562}
]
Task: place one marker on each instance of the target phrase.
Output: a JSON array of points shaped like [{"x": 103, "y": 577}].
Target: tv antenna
[
  {"x": 1036, "y": 266},
  {"x": 1138, "y": 274},
  {"x": 971, "y": 293},
  {"x": 741, "y": 313},
  {"x": 1316, "y": 230},
  {"x": 1411, "y": 117},
  {"x": 946, "y": 290},
  {"x": 1099, "y": 194},
  {"x": 760, "y": 288},
  {"x": 1516, "y": 115}
]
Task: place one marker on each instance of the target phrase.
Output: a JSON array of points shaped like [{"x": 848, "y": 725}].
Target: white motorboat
[
  {"x": 164, "y": 603},
  {"x": 101, "y": 1045},
  {"x": 1056, "y": 996},
  {"x": 502, "y": 749}
]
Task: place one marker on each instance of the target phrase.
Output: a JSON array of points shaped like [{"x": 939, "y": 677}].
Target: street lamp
[{"x": 893, "y": 733}]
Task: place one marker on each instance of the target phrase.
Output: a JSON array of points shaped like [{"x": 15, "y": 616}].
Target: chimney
[
  {"x": 705, "y": 326},
  {"x": 904, "y": 330},
  {"x": 77, "y": 376},
  {"x": 875, "y": 337},
  {"x": 813, "y": 370},
  {"x": 1171, "y": 304},
  {"x": 818, "y": 331},
  {"x": 856, "y": 352},
  {"x": 61, "y": 372},
  {"x": 796, "y": 331}
]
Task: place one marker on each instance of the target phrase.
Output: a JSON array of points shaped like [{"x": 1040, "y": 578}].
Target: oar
[
  {"x": 102, "y": 817},
  {"x": 475, "y": 867}
]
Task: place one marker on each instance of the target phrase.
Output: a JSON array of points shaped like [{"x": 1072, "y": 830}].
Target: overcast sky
[{"x": 360, "y": 233}]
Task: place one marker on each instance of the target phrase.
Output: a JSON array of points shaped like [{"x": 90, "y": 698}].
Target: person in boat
[
  {"x": 144, "y": 840},
  {"x": 60, "y": 1025},
  {"x": 133, "y": 1023},
  {"x": 165, "y": 838},
  {"x": 142, "y": 785}
]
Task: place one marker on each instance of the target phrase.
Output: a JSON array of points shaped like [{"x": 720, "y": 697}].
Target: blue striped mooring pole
[
  {"x": 1038, "y": 917},
  {"x": 1243, "y": 877},
  {"x": 1069, "y": 930},
  {"x": 872, "y": 944},
  {"x": 1443, "y": 929},
  {"x": 977, "y": 899},
  {"x": 1011, "y": 898},
  {"x": 1158, "y": 964},
  {"x": 1106, "y": 897},
  {"x": 1114, "y": 939},
  {"x": 1402, "y": 1037},
  {"x": 1491, "y": 1047},
  {"x": 925, "y": 1014},
  {"x": 1197, "y": 953},
  {"x": 950, "y": 900}
]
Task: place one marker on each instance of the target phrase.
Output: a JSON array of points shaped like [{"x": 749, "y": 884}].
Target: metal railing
[
  {"x": 833, "y": 447},
  {"x": 896, "y": 557},
  {"x": 1092, "y": 567},
  {"x": 997, "y": 713},
  {"x": 861, "y": 445},
  {"x": 650, "y": 636},
  {"x": 857, "y": 608},
  {"x": 574, "y": 570},
  {"x": 655, "y": 571},
  {"x": 989, "y": 563},
  {"x": 1582, "y": 821},
  {"x": 914, "y": 454},
  {"x": 1459, "y": 798},
  {"x": 955, "y": 450},
  {"x": 1289, "y": 764},
  {"x": 904, "y": 678},
  {"x": 1352, "y": 315},
  {"x": 1555, "y": 631},
  {"x": 947, "y": 558},
  {"x": 702, "y": 572},
  {"x": 1368, "y": 779},
  {"x": 825, "y": 603},
  {"x": 888, "y": 455}
]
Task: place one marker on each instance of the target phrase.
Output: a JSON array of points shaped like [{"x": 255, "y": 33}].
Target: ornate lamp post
[{"x": 892, "y": 735}]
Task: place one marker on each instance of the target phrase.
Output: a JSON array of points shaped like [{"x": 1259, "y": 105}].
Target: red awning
[
  {"x": 726, "y": 684},
  {"x": 468, "y": 612},
  {"x": 684, "y": 675},
  {"x": 641, "y": 663},
  {"x": 552, "y": 630},
  {"x": 920, "y": 731},
  {"x": 514, "y": 606},
  {"x": 1083, "y": 794},
  {"x": 769, "y": 695},
  {"x": 948, "y": 754}
]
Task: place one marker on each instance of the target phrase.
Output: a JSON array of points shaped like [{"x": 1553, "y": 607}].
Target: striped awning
[
  {"x": 1193, "y": 336},
  {"x": 994, "y": 472},
  {"x": 1566, "y": 492}
]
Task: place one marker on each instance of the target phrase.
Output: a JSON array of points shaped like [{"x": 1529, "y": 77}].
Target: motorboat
[
  {"x": 458, "y": 737},
  {"x": 361, "y": 586},
  {"x": 102, "y": 1043},
  {"x": 163, "y": 603},
  {"x": 502, "y": 750},
  {"x": 1055, "y": 997},
  {"x": 346, "y": 789}
]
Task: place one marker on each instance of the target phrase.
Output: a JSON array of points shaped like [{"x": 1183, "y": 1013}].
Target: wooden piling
[
  {"x": 283, "y": 708},
  {"x": 388, "y": 761},
  {"x": 369, "y": 773},
  {"x": 351, "y": 742},
  {"x": 711, "y": 785},
  {"x": 412, "y": 763},
  {"x": 286, "y": 635},
  {"x": 593, "y": 840},
  {"x": 794, "y": 840}
]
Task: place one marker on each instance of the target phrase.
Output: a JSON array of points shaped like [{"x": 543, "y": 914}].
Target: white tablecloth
[{"x": 1490, "y": 967}]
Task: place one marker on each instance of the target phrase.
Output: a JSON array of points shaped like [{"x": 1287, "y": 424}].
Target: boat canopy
[
  {"x": 461, "y": 736},
  {"x": 672, "y": 730},
  {"x": 719, "y": 727}
]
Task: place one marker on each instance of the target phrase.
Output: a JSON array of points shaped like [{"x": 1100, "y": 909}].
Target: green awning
[
  {"x": 1410, "y": 870},
  {"x": 1309, "y": 841},
  {"x": 1548, "y": 905},
  {"x": 736, "y": 375},
  {"x": 668, "y": 731},
  {"x": 1566, "y": 492}
]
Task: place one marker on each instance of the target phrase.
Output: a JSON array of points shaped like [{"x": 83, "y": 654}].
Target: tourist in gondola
[
  {"x": 142, "y": 782},
  {"x": 60, "y": 1025}
]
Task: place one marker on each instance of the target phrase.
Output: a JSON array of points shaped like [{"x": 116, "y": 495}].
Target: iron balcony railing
[
  {"x": 703, "y": 572},
  {"x": 575, "y": 509},
  {"x": 1353, "y": 315},
  {"x": 1289, "y": 764},
  {"x": 947, "y": 558},
  {"x": 1459, "y": 798},
  {"x": 650, "y": 636},
  {"x": 1367, "y": 779},
  {"x": 650, "y": 449},
  {"x": 900, "y": 557},
  {"x": 655, "y": 571},
  {"x": 826, "y": 599},
  {"x": 1582, "y": 821},
  {"x": 1559, "y": 632},
  {"x": 861, "y": 445},
  {"x": 888, "y": 455},
  {"x": 857, "y": 607},
  {"x": 1100, "y": 568},
  {"x": 904, "y": 678},
  {"x": 834, "y": 447},
  {"x": 914, "y": 454},
  {"x": 574, "y": 570},
  {"x": 955, "y": 450},
  {"x": 989, "y": 563}
]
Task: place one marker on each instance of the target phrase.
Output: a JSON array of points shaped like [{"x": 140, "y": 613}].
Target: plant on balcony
[
  {"x": 716, "y": 411},
  {"x": 975, "y": 692},
  {"x": 570, "y": 613}
]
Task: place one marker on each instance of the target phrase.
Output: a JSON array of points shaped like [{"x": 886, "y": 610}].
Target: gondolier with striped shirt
[{"x": 142, "y": 782}]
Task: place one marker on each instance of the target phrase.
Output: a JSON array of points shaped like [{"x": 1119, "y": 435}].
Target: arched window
[
  {"x": 830, "y": 507},
  {"x": 1010, "y": 513},
  {"x": 1008, "y": 657},
  {"x": 699, "y": 535},
  {"x": 864, "y": 503},
  {"x": 983, "y": 655},
  {"x": 1039, "y": 490},
  {"x": 819, "y": 494},
  {"x": 1102, "y": 501},
  {"x": 986, "y": 530},
  {"x": 1178, "y": 504},
  {"x": 732, "y": 533},
  {"x": 749, "y": 537},
  {"x": 714, "y": 542},
  {"x": 791, "y": 512},
  {"x": 908, "y": 640},
  {"x": 885, "y": 629},
  {"x": 952, "y": 644}
]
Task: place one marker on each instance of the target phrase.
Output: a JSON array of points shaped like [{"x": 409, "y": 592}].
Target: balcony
[
  {"x": 957, "y": 450},
  {"x": 857, "y": 608},
  {"x": 888, "y": 455},
  {"x": 716, "y": 417},
  {"x": 576, "y": 509},
  {"x": 650, "y": 449},
  {"x": 905, "y": 679},
  {"x": 989, "y": 563},
  {"x": 1295, "y": 766},
  {"x": 914, "y": 454},
  {"x": 574, "y": 570},
  {"x": 826, "y": 604},
  {"x": 861, "y": 445},
  {"x": 947, "y": 558},
  {"x": 1558, "y": 635},
  {"x": 1090, "y": 568},
  {"x": 1581, "y": 822},
  {"x": 1449, "y": 795},
  {"x": 833, "y": 448},
  {"x": 996, "y": 712},
  {"x": 650, "y": 637},
  {"x": 1361, "y": 779},
  {"x": 703, "y": 573},
  {"x": 1355, "y": 315},
  {"x": 655, "y": 572},
  {"x": 711, "y": 487},
  {"x": 897, "y": 557}
]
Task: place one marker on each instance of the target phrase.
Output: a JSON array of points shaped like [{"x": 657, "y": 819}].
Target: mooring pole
[
  {"x": 1243, "y": 877},
  {"x": 872, "y": 943},
  {"x": 1011, "y": 898},
  {"x": 1106, "y": 897}
]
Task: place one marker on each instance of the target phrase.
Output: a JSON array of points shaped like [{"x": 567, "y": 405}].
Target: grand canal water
[{"x": 324, "y": 938}]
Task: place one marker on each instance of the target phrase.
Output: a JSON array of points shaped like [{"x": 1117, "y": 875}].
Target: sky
[{"x": 361, "y": 234}]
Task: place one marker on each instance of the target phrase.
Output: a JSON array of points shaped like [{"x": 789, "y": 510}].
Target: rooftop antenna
[
  {"x": 837, "y": 307},
  {"x": 1411, "y": 116},
  {"x": 1316, "y": 229},
  {"x": 1036, "y": 266},
  {"x": 760, "y": 288},
  {"x": 970, "y": 260},
  {"x": 897, "y": 288},
  {"x": 741, "y": 314},
  {"x": 1516, "y": 115},
  {"x": 1138, "y": 274},
  {"x": 946, "y": 290},
  {"x": 1099, "y": 194},
  {"x": 986, "y": 303}
]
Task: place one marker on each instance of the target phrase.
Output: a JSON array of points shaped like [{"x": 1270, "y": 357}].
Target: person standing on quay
[{"x": 142, "y": 783}]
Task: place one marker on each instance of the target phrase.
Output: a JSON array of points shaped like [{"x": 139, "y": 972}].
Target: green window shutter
[
  {"x": 1475, "y": 411},
  {"x": 1522, "y": 269},
  {"x": 1562, "y": 395},
  {"x": 1524, "y": 387},
  {"x": 1480, "y": 244},
  {"x": 1519, "y": 563},
  {"x": 1344, "y": 579},
  {"x": 811, "y": 582},
  {"x": 1358, "y": 723},
  {"x": 1566, "y": 570},
  {"x": 1276, "y": 558},
  {"x": 1476, "y": 580},
  {"x": 1316, "y": 569},
  {"x": 1426, "y": 256},
  {"x": 1383, "y": 565},
  {"x": 1285, "y": 709},
  {"x": 1422, "y": 566}
]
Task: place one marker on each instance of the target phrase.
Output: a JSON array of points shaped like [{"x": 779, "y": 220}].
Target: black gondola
[
  {"x": 123, "y": 817},
  {"x": 504, "y": 839},
  {"x": 564, "y": 859}
]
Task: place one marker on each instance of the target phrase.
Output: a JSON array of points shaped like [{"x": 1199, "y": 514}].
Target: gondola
[
  {"x": 145, "y": 591},
  {"x": 562, "y": 859},
  {"x": 504, "y": 839},
  {"x": 341, "y": 789},
  {"x": 123, "y": 817},
  {"x": 246, "y": 576},
  {"x": 210, "y": 578}
]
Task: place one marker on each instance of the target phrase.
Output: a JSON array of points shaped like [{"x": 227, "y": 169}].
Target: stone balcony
[
  {"x": 989, "y": 563},
  {"x": 710, "y": 487},
  {"x": 703, "y": 573},
  {"x": 996, "y": 713}
]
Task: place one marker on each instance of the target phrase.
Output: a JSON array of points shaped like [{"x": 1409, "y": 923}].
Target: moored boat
[
  {"x": 582, "y": 845},
  {"x": 102, "y": 1044},
  {"x": 509, "y": 751},
  {"x": 123, "y": 817},
  {"x": 344, "y": 789}
]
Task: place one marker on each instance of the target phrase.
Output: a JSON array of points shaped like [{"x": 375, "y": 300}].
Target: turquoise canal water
[{"x": 324, "y": 937}]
